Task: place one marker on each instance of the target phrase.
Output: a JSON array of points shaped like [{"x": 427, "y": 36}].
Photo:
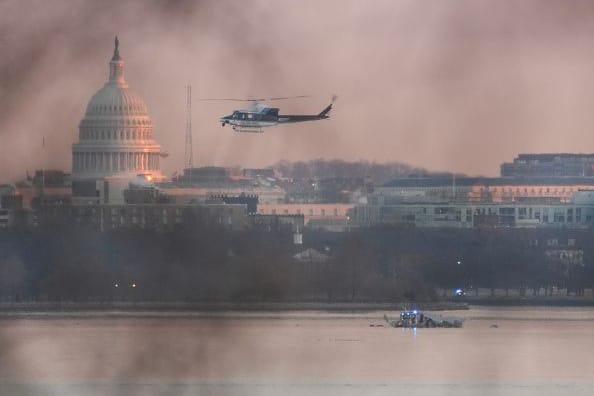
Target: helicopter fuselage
[{"x": 260, "y": 116}]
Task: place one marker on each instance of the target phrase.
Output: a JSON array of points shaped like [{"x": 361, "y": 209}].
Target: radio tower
[{"x": 189, "y": 157}]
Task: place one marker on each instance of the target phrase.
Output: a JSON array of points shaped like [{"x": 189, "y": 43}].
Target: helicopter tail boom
[{"x": 324, "y": 114}]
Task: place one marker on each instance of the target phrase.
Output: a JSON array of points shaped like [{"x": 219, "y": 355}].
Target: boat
[{"x": 416, "y": 319}]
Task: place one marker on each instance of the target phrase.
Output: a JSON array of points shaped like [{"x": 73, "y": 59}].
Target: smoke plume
[{"x": 457, "y": 86}]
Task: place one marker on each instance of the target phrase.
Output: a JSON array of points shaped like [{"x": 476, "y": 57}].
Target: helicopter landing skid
[{"x": 248, "y": 130}]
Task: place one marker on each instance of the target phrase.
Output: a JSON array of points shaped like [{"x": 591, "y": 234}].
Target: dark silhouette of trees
[{"x": 208, "y": 264}]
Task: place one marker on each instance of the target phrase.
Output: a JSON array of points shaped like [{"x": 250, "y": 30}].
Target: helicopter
[{"x": 258, "y": 115}]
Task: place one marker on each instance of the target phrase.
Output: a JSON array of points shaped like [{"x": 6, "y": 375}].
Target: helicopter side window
[{"x": 250, "y": 116}]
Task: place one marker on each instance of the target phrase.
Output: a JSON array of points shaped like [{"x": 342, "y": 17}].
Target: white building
[{"x": 115, "y": 140}]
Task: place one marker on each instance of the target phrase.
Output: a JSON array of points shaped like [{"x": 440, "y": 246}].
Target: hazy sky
[{"x": 446, "y": 85}]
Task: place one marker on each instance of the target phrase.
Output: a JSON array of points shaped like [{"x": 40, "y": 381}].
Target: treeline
[
  {"x": 527, "y": 260},
  {"x": 213, "y": 265},
  {"x": 379, "y": 173},
  {"x": 198, "y": 265}
]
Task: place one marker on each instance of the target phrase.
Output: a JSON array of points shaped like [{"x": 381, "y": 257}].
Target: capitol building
[{"x": 115, "y": 138}]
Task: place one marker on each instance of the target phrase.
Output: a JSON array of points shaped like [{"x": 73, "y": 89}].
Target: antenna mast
[{"x": 188, "y": 156}]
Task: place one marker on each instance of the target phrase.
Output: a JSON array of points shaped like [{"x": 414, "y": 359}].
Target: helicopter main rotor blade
[
  {"x": 254, "y": 99},
  {"x": 288, "y": 97},
  {"x": 229, "y": 99}
]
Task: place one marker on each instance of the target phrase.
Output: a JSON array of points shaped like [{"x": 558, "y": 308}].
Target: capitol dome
[
  {"x": 116, "y": 100},
  {"x": 116, "y": 132}
]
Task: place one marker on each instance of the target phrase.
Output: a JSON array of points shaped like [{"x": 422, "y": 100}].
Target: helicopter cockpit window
[{"x": 236, "y": 114}]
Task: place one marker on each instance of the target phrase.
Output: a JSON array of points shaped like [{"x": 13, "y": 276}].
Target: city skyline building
[{"x": 549, "y": 165}]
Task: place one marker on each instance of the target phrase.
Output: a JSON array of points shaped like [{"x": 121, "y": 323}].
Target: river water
[{"x": 530, "y": 352}]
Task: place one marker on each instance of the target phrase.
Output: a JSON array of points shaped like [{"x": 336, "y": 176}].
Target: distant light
[
  {"x": 149, "y": 177},
  {"x": 116, "y": 285},
  {"x": 459, "y": 262},
  {"x": 133, "y": 284}
]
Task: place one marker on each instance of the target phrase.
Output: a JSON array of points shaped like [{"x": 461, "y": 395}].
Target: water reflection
[{"x": 533, "y": 352}]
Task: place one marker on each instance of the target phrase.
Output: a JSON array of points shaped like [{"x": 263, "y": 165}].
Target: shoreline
[
  {"x": 539, "y": 301},
  {"x": 185, "y": 308},
  {"x": 182, "y": 307}
]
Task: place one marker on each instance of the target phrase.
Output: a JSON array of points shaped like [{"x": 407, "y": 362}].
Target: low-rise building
[
  {"x": 151, "y": 216},
  {"x": 479, "y": 189},
  {"x": 330, "y": 216},
  {"x": 576, "y": 213}
]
